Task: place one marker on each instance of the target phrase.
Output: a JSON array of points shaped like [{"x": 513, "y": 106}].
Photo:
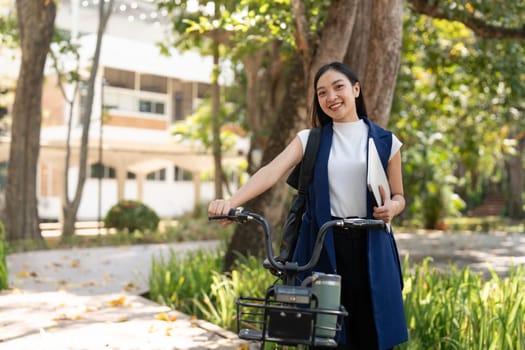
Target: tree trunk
[
  {"x": 333, "y": 43},
  {"x": 515, "y": 173},
  {"x": 357, "y": 56},
  {"x": 70, "y": 207},
  {"x": 36, "y": 24},
  {"x": 384, "y": 57},
  {"x": 216, "y": 125},
  {"x": 248, "y": 238},
  {"x": 252, "y": 64}
]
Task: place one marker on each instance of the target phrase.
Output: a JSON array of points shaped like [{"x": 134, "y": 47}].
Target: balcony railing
[{"x": 137, "y": 102}]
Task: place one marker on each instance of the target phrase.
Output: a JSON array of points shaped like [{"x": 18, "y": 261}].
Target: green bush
[
  {"x": 131, "y": 215},
  {"x": 3, "y": 259}
]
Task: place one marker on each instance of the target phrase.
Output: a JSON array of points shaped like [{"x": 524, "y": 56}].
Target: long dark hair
[{"x": 319, "y": 118}]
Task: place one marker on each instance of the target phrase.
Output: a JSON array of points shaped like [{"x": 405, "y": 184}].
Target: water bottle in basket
[{"x": 327, "y": 289}]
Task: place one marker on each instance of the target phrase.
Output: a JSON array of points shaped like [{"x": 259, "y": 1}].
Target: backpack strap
[
  {"x": 302, "y": 173},
  {"x": 300, "y": 179},
  {"x": 308, "y": 162}
]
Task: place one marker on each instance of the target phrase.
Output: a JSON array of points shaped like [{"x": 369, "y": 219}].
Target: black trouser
[{"x": 352, "y": 264}]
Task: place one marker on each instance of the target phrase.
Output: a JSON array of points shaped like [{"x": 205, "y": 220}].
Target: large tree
[
  {"x": 36, "y": 24},
  {"x": 366, "y": 35}
]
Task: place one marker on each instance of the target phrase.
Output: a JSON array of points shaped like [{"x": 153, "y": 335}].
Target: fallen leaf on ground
[
  {"x": 91, "y": 308},
  {"x": 22, "y": 274},
  {"x": 165, "y": 317},
  {"x": 65, "y": 317},
  {"x": 89, "y": 284},
  {"x": 117, "y": 302},
  {"x": 130, "y": 286}
]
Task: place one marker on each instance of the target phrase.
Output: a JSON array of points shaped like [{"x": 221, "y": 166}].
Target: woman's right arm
[{"x": 262, "y": 180}]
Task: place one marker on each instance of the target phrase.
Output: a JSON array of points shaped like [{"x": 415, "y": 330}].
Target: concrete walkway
[
  {"x": 90, "y": 298},
  {"x": 480, "y": 252}
]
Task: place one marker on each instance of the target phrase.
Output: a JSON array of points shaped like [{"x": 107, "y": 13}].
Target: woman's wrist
[{"x": 399, "y": 201}]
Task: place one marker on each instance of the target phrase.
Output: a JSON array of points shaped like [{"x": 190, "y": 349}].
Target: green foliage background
[
  {"x": 459, "y": 102},
  {"x": 458, "y": 108}
]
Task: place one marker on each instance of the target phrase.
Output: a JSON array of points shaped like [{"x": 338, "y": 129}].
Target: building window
[
  {"x": 131, "y": 176},
  {"x": 99, "y": 170},
  {"x": 181, "y": 174},
  {"x": 151, "y": 107},
  {"x": 159, "y": 175}
]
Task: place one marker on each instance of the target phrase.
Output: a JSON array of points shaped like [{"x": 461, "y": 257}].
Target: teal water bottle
[{"x": 327, "y": 288}]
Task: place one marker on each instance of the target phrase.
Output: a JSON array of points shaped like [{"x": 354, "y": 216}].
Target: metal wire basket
[{"x": 286, "y": 318}]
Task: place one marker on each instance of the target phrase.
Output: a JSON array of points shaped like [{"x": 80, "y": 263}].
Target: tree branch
[{"x": 479, "y": 27}]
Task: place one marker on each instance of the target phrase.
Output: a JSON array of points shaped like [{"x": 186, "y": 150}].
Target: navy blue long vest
[{"x": 386, "y": 281}]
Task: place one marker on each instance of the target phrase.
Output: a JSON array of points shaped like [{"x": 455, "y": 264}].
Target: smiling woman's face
[{"x": 337, "y": 95}]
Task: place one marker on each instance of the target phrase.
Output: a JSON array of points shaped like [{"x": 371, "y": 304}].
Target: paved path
[
  {"x": 90, "y": 298},
  {"x": 480, "y": 252}
]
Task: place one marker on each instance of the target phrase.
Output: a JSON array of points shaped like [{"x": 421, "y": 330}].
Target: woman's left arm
[{"x": 396, "y": 203}]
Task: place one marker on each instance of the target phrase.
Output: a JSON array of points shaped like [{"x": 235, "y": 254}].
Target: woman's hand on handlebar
[{"x": 220, "y": 207}]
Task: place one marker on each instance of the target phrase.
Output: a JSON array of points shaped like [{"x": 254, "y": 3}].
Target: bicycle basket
[{"x": 267, "y": 319}]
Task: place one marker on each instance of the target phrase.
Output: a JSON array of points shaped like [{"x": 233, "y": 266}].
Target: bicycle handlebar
[{"x": 241, "y": 215}]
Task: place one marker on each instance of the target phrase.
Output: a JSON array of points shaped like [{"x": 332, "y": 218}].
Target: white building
[{"x": 143, "y": 94}]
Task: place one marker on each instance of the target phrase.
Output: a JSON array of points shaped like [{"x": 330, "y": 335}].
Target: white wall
[{"x": 167, "y": 199}]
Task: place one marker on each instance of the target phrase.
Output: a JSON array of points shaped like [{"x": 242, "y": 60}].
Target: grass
[
  {"x": 3, "y": 260},
  {"x": 194, "y": 284},
  {"x": 452, "y": 309},
  {"x": 458, "y": 309}
]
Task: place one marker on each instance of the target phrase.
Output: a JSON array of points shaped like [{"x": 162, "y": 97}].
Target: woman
[{"x": 367, "y": 260}]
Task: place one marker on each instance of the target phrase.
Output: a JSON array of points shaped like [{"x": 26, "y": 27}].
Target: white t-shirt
[{"x": 347, "y": 167}]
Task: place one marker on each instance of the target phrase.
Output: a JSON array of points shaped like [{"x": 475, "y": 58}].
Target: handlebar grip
[
  {"x": 364, "y": 223},
  {"x": 234, "y": 214}
]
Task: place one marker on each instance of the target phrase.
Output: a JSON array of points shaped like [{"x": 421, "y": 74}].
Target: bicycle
[{"x": 289, "y": 314}]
